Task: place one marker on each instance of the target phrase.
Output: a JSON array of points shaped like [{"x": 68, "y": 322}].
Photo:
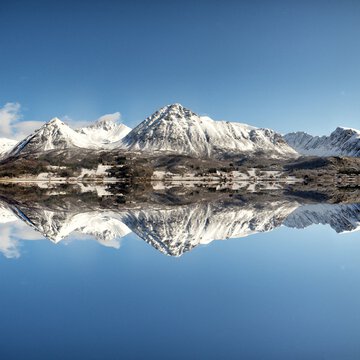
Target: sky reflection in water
[{"x": 275, "y": 295}]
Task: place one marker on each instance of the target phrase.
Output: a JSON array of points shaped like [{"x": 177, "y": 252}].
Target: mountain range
[
  {"x": 177, "y": 130},
  {"x": 341, "y": 142}
]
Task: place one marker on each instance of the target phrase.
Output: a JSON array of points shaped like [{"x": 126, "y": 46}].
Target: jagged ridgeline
[
  {"x": 177, "y": 144},
  {"x": 173, "y": 221}
]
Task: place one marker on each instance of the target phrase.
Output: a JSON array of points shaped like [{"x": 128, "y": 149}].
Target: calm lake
[{"x": 148, "y": 280}]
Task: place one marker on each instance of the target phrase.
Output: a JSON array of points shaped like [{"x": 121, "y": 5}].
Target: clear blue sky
[{"x": 286, "y": 65}]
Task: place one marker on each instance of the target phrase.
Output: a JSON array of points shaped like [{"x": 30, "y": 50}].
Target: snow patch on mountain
[
  {"x": 6, "y": 145},
  {"x": 341, "y": 142},
  {"x": 177, "y": 129},
  {"x": 6, "y": 215}
]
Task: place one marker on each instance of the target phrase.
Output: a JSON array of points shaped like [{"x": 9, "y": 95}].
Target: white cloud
[
  {"x": 23, "y": 128},
  {"x": 11, "y": 125},
  {"x": 76, "y": 124},
  {"x": 116, "y": 116},
  {"x": 12, "y": 234},
  {"x": 9, "y": 114},
  {"x": 9, "y": 246}
]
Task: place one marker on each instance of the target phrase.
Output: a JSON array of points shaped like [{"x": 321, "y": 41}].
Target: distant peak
[{"x": 105, "y": 122}]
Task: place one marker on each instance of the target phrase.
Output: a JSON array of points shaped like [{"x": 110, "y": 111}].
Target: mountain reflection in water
[{"x": 173, "y": 221}]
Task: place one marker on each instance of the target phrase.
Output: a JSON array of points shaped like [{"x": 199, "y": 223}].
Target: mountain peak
[
  {"x": 54, "y": 121},
  {"x": 175, "y": 106},
  {"x": 175, "y": 109}
]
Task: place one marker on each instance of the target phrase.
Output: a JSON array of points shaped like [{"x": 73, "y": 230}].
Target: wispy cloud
[
  {"x": 11, "y": 125},
  {"x": 13, "y": 234},
  {"x": 76, "y": 124},
  {"x": 8, "y": 245},
  {"x": 116, "y": 116},
  {"x": 23, "y": 128},
  {"x": 9, "y": 114}
]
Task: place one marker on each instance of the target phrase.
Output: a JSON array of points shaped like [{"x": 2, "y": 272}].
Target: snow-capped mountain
[
  {"x": 341, "y": 142},
  {"x": 6, "y": 145},
  {"x": 177, "y": 129},
  {"x": 55, "y": 134},
  {"x": 104, "y": 131}
]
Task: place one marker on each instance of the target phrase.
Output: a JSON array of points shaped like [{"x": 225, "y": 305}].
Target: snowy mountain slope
[
  {"x": 6, "y": 145},
  {"x": 53, "y": 135},
  {"x": 341, "y": 142},
  {"x": 342, "y": 218},
  {"x": 177, "y": 129},
  {"x": 104, "y": 132}
]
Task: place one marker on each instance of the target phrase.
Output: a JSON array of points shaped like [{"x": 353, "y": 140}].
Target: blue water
[{"x": 287, "y": 294}]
